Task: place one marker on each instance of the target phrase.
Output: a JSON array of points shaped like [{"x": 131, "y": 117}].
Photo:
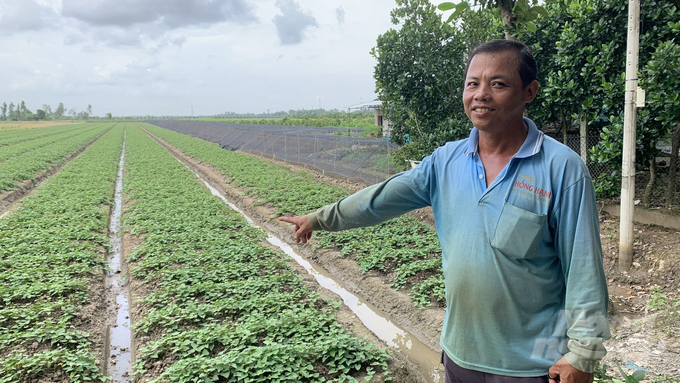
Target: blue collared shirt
[{"x": 522, "y": 258}]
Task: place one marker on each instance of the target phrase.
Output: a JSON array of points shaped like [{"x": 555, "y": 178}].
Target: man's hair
[{"x": 526, "y": 62}]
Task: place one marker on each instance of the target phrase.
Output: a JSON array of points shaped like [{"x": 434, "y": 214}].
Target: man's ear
[{"x": 530, "y": 92}]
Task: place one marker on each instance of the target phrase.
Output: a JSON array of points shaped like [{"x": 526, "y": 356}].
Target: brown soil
[
  {"x": 91, "y": 320},
  {"x": 31, "y": 124},
  {"x": 645, "y": 332},
  {"x": 641, "y": 335},
  {"x": 137, "y": 291}
]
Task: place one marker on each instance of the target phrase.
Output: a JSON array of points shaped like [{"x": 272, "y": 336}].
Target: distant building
[{"x": 376, "y": 105}]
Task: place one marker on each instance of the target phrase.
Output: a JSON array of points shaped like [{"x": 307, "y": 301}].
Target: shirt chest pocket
[{"x": 518, "y": 232}]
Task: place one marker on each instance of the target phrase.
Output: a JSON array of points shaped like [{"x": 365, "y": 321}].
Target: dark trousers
[{"x": 457, "y": 374}]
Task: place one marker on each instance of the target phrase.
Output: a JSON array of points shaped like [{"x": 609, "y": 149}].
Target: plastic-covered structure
[{"x": 329, "y": 149}]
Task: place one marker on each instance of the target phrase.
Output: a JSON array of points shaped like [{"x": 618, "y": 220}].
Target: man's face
[{"x": 493, "y": 95}]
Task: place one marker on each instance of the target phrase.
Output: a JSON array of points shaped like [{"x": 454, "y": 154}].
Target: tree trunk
[
  {"x": 647, "y": 197},
  {"x": 672, "y": 171},
  {"x": 508, "y": 17}
]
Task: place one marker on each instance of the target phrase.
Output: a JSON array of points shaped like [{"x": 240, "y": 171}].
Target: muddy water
[
  {"x": 119, "y": 335},
  {"x": 418, "y": 353}
]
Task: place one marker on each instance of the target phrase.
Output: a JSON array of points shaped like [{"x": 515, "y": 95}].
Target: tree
[
  {"x": 26, "y": 114},
  {"x": 576, "y": 48},
  {"x": 109, "y": 116},
  {"x": 47, "y": 109},
  {"x": 88, "y": 111},
  {"x": 419, "y": 75},
  {"x": 580, "y": 49},
  {"x": 516, "y": 15},
  {"x": 660, "y": 76},
  {"x": 59, "y": 112},
  {"x": 3, "y": 109},
  {"x": 11, "y": 111},
  {"x": 40, "y": 114}
]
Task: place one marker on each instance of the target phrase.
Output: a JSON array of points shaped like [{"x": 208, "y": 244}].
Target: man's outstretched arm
[{"x": 395, "y": 196}]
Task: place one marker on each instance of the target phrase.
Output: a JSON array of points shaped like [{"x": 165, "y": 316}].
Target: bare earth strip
[{"x": 31, "y": 124}]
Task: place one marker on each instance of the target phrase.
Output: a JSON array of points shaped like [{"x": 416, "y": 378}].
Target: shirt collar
[{"x": 532, "y": 144}]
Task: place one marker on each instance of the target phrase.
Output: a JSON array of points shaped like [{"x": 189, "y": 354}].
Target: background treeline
[
  {"x": 313, "y": 117},
  {"x": 19, "y": 112},
  {"x": 580, "y": 47}
]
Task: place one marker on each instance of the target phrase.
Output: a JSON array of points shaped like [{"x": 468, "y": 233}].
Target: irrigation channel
[
  {"x": 118, "y": 332},
  {"x": 426, "y": 360}
]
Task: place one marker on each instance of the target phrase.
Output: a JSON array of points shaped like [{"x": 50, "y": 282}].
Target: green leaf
[
  {"x": 540, "y": 10},
  {"x": 638, "y": 375},
  {"x": 460, "y": 8},
  {"x": 531, "y": 26},
  {"x": 447, "y": 6}
]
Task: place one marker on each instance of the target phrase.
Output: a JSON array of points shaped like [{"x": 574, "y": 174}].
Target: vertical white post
[
  {"x": 584, "y": 138},
  {"x": 629, "y": 126}
]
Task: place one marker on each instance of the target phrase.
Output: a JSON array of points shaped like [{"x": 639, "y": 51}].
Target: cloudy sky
[{"x": 163, "y": 57}]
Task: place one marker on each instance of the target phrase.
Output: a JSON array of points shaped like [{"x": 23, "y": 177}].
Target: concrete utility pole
[{"x": 629, "y": 139}]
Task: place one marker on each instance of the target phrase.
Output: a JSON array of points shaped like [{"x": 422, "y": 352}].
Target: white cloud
[
  {"x": 74, "y": 39},
  {"x": 23, "y": 15},
  {"x": 126, "y": 23}
]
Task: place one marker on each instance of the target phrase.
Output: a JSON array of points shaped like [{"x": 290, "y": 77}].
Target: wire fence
[
  {"x": 602, "y": 173},
  {"x": 341, "y": 152}
]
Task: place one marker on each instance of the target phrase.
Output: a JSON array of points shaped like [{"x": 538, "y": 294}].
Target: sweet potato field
[{"x": 210, "y": 300}]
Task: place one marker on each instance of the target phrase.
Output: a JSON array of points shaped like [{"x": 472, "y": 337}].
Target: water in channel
[
  {"x": 119, "y": 335},
  {"x": 426, "y": 359}
]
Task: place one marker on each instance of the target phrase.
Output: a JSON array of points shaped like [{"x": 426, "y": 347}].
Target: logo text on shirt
[{"x": 525, "y": 186}]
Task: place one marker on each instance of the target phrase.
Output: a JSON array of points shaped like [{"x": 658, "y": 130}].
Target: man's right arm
[{"x": 391, "y": 198}]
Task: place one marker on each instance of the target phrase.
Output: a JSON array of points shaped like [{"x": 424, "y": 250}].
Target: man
[{"x": 517, "y": 220}]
